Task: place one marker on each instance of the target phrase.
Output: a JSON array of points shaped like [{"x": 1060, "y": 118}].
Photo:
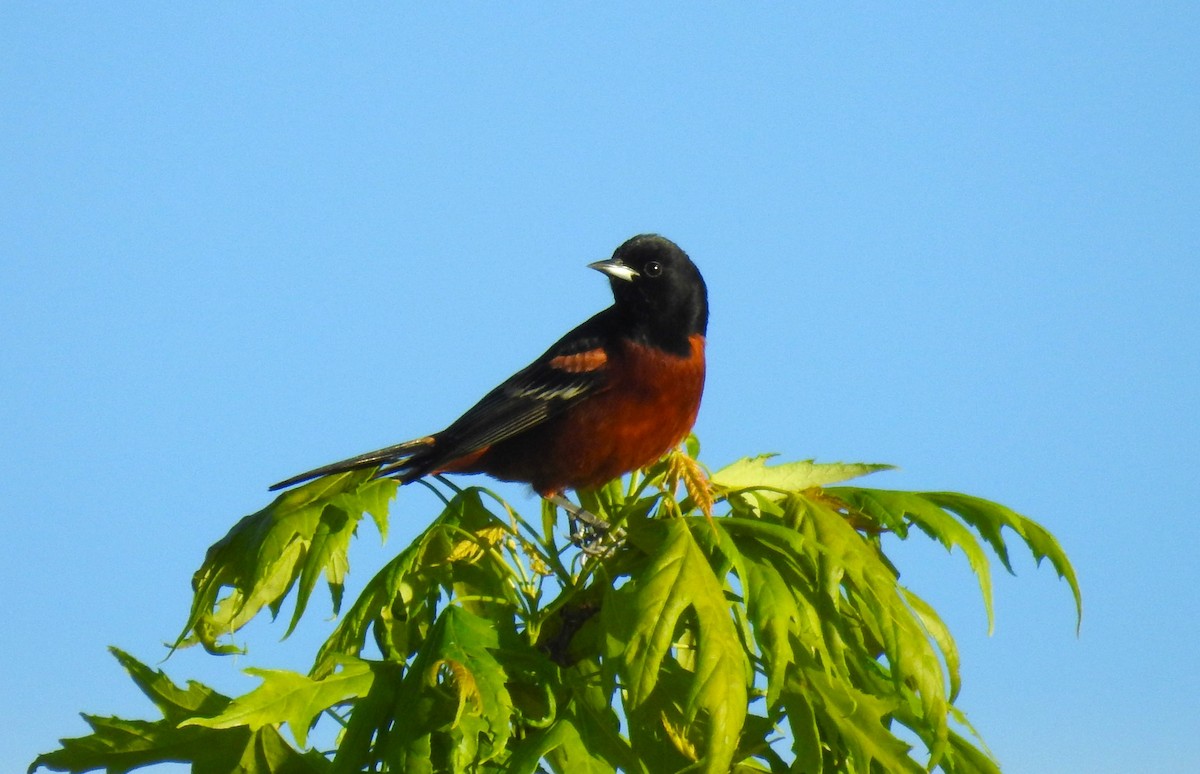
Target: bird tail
[{"x": 394, "y": 459}]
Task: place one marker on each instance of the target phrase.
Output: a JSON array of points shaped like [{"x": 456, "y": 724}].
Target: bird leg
[{"x": 590, "y": 536}]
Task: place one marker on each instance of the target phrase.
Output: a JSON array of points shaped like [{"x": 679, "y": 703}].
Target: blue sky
[{"x": 240, "y": 241}]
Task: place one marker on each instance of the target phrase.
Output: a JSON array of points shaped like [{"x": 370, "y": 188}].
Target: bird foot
[{"x": 592, "y": 534}]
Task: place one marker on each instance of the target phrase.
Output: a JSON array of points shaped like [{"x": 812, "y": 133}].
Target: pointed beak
[{"x": 615, "y": 269}]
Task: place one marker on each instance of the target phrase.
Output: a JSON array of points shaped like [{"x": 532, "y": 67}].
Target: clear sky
[{"x": 237, "y": 242}]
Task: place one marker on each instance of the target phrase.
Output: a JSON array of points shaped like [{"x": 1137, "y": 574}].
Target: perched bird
[{"x": 613, "y": 395}]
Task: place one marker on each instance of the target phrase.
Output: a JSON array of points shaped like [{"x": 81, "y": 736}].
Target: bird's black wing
[
  {"x": 571, "y": 370},
  {"x": 574, "y": 368}
]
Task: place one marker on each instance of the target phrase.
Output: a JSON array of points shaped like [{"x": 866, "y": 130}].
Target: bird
[{"x": 613, "y": 395}]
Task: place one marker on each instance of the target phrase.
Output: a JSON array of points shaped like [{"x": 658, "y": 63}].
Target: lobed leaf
[
  {"x": 456, "y": 707},
  {"x": 591, "y": 708},
  {"x": 854, "y": 721},
  {"x": 399, "y": 603},
  {"x": 640, "y": 621},
  {"x": 911, "y": 507},
  {"x": 305, "y": 532},
  {"x": 911, "y": 657},
  {"x": 118, "y": 746},
  {"x": 787, "y": 595},
  {"x": 174, "y": 703},
  {"x": 288, "y": 697},
  {"x": 990, "y": 518},
  {"x": 373, "y": 713}
]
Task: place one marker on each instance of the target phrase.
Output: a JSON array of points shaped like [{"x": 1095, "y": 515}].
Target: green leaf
[
  {"x": 399, "y": 603},
  {"x": 757, "y": 736},
  {"x": 562, "y": 745},
  {"x": 940, "y": 633},
  {"x": 851, "y": 561},
  {"x": 771, "y": 605},
  {"x": 394, "y": 602},
  {"x": 305, "y": 532},
  {"x": 786, "y": 607},
  {"x": 117, "y": 745},
  {"x": 857, "y": 720},
  {"x": 455, "y": 700},
  {"x": 288, "y": 697},
  {"x": 173, "y": 702},
  {"x": 989, "y": 518},
  {"x": 372, "y": 715},
  {"x": 591, "y": 709},
  {"x": 753, "y": 472},
  {"x": 641, "y": 621},
  {"x": 965, "y": 758},
  {"x": 503, "y": 650},
  {"x": 892, "y": 506},
  {"x": 802, "y": 720}
]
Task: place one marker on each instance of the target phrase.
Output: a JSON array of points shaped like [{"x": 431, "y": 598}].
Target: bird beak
[{"x": 615, "y": 269}]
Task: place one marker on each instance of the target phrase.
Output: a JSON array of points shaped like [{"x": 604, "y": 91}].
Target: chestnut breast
[{"x": 648, "y": 406}]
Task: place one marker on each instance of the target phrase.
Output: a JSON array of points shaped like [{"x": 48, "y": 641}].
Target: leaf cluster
[{"x": 750, "y": 622}]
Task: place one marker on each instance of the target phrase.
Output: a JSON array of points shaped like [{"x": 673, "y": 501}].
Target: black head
[{"x": 658, "y": 290}]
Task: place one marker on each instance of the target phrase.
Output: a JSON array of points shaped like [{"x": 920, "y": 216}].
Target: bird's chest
[
  {"x": 652, "y": 389},
  {"x": 649, "y": 405}
]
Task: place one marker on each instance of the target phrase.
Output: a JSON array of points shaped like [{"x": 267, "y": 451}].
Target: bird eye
[{"x": 652, "y": 269}]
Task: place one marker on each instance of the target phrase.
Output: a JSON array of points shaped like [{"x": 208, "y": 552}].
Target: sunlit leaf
[
  {"x": 373, "y": 714},
  {"x": 174, "y": 703},
  {"x": 457, "y": 695},
  {"x": 560, "y": 743},
  {"x": 502, "y": 647},
  {"x": 910, "y": 653},
  {"x": 288, "y": 697},
  {"x": 305, "y": 532},
  {"x": 940, "y": 634},
  {"x": 399, "y": 601},
  {"x": 891, "y": 506},
  {"x": 856, "y": 720},
  {"x": 752, "y": 472},
  {"x": 117, "y": 746},
  {"x": 592, "y": 711},
  {"x": 989, "y": 518},
  {"x": 641, "y": 620}
]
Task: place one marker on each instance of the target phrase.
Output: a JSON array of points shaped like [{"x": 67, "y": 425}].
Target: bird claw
[
  {"x": 597, "y": 543},
  {"x": 593, "y": 535}
]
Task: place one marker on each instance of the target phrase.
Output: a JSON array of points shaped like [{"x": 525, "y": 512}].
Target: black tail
[{"x": 394, "y": 457}]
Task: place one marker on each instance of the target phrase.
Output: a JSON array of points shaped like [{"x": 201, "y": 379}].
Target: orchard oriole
[{"x": 613, "y": 395}]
